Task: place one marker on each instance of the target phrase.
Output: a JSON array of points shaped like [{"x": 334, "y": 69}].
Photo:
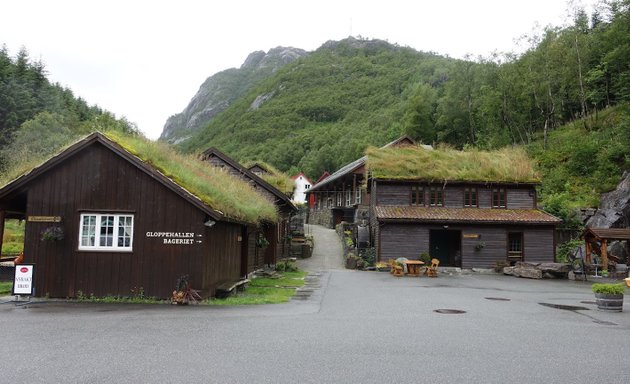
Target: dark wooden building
[
  {"x": 273, "y": 232},
  {"x": 463, "y": 223},
  {"x": 126, "y": 226},
  {"x": 408, "y": 219},
  {"x": 342, "y": 196}
]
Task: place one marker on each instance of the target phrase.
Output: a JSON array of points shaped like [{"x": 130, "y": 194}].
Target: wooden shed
[
  {"x": 126, "y": 226},
  {"x": 467, "y": 209},
  {"x": 273, "y": 232},
  {"x": 596, "y": 241}
]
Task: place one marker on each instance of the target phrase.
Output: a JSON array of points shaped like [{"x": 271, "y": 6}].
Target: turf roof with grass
[
  {"x": 509, "y": 165},
  {"x": 220, "y": 191},
  {"x": 280, "y": 180}
]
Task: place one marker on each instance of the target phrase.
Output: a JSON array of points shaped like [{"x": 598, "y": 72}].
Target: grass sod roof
[
  {"x": 219, "y": 190},
  {"x": 275, "y": 177},
  {"x": 509, "y": 165}
]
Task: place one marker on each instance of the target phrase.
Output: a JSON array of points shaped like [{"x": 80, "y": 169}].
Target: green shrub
[
  {"x": 425, "y": 257},
  {"x": 286, "y": 266},
  {"x": 610, "y": 289},
  {"x": 566, "y": 249},
  {"x": 369, "y": 256}
]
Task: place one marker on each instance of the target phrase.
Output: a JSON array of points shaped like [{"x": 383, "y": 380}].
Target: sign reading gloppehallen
[{"x": 23, "y": 283}]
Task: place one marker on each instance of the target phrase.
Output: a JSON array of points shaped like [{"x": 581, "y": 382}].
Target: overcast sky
[{"x": 146, "y": 59}]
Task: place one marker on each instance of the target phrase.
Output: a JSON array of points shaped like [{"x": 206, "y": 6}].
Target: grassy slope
[
  {"x": 325, "y": 109},
  {"x": 583, "y": 159}
]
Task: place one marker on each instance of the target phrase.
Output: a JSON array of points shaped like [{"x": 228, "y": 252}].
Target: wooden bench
[{"x": 229, "y": 288}]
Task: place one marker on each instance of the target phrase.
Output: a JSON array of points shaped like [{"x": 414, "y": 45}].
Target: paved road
[
  {"x": 327, "y": 250},
  {"x": 365, "y": 327}
]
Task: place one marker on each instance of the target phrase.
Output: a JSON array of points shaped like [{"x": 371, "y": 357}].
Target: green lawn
[
  {"x": 5, "y": 288},
  {"x": 13, "y": 240},
  {"x": 264, "y": 290},
  {"x": 261, "y": 290}
]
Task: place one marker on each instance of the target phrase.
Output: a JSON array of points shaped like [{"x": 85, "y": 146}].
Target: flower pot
[{"x": 608, "y": 302}]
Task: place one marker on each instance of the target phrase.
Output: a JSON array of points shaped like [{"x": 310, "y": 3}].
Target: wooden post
[
  {"x": 604, "y": 254},
  {"x": 353, "y": 198},
  {"x": 588, "y": 250},
  {"x": 2, "y": 217}
]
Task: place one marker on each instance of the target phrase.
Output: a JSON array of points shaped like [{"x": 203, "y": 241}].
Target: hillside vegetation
[
  {"x": 582, "y": 159},
  {"x": 323, "y": 110},
  {"x": 38, "y": 117},
  {"x": 565, "y": 99}
]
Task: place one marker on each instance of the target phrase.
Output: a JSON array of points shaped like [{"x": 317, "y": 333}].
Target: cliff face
[
  {"x": 218, "y": 91},
  {"x": 614, "y": 209}
]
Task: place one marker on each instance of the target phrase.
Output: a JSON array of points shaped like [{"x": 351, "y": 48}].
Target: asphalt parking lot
[{"x": 359, "y": 327}]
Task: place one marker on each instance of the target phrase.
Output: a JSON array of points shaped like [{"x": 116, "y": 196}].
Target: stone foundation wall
[{"x": 321, "y": 217}]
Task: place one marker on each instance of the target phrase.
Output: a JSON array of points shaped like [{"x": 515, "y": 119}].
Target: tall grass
[
  {"x": 13, "y": 238},
  {"x": 227, "y": 194},
  {"x": 448, "y": 164},
  {"x": 280, "y": 180},
  {"x": 218, "y": 189}
]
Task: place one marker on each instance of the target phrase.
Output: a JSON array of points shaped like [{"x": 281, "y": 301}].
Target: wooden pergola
[{"x": 596, "y": 240}]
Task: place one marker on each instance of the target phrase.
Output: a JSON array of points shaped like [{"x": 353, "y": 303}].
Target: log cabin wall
[
  {"x": 398, "y": 193},
  {"x": 393, "y": 194},
  {"x": 97, "y": 180},
  {"x": 374, "y": 224},
  {"x": 402, "y": 240},
  {"x": 521, "y": 198},
  {"x": 410, "y": 239},
  {"x": 453, "y": 196},
  {"x": 218, "y": 162}
]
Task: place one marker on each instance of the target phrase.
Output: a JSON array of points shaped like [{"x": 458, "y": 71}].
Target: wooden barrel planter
[{"x": 608, "y": 302}]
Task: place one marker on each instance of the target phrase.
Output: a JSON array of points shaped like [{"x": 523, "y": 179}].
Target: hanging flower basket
[
  {"x": 52, "y": 234},
  {"x": 261, "y": 242}
]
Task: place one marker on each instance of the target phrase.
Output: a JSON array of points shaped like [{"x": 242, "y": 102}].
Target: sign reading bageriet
[{"x": 180, "y": 238}]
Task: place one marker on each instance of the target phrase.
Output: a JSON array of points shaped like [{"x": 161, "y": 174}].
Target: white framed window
[
  {"x": 106, "y": 232},
  {"x": 348, "y": 198},
  {"x": 357, "y": 195}
]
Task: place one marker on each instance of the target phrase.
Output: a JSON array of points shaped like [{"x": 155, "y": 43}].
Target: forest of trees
[
  {"x": 322, "y": 110},
  {"x": 566, "y": 74},
  {"x": 37, "y": 117},
  {"x": 325, "y": 108}
]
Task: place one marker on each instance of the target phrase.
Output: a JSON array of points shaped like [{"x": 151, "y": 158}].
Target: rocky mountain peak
[
  {"x": 275, "y": 57},
  {"x": 219, "y": 91}
]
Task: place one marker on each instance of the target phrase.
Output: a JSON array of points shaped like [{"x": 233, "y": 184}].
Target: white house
[{"x": 302, "y": 184}]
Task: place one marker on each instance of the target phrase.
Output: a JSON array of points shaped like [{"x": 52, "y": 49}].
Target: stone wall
[{"x": 321, "y": 217}]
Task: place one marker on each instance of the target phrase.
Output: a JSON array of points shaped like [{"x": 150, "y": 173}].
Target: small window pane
[
  {"x": 88, "y": 231},
  {"x": 470, "y": 197},
  {"x": 436, "y": 197}
]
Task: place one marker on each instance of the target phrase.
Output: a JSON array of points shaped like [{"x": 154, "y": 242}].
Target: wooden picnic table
[{"x": 413, "y": 267}]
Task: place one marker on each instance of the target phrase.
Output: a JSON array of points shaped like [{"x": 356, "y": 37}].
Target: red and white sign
[{"x": 23, "y": 282}]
